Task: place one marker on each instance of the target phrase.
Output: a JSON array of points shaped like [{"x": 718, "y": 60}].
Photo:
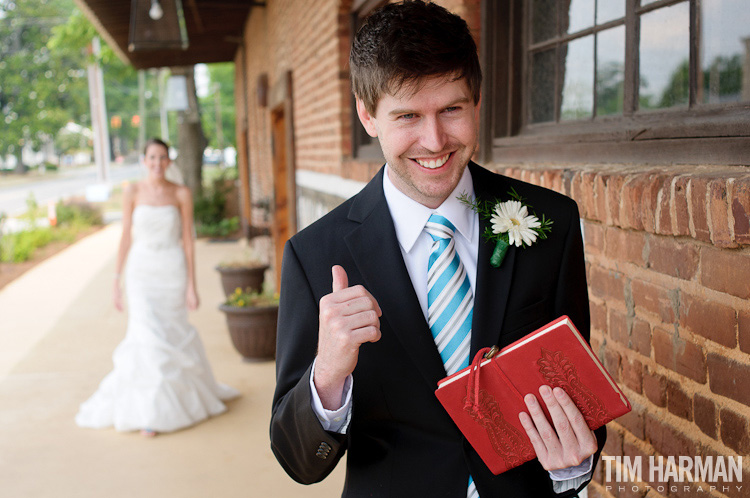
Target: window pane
[
  {"x": 725, "y": 51},
  {"x": 543, "y": 86},
  {"x": 578, "y": 79},
  {"x": 609, "y": 10},
  {"x": 544, "y": 20},
  {"x": 580, "y": 15},
  {"x": 610, "y": 71},
  {"x": 665, "y": 57}
]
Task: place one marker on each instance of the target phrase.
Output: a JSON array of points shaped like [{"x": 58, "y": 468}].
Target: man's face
[{"x": 427, "y": 137}]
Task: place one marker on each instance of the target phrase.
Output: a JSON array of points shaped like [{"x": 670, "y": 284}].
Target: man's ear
[{"x": 367, "y": 120}]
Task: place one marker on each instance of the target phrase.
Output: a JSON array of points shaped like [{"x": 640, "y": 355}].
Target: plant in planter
[
  {"x": 248, "y": 272},
  {"x": 251, "y": 319}
]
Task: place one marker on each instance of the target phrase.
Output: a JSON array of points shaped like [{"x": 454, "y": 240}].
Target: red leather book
[{"x": 484, "y": 399}]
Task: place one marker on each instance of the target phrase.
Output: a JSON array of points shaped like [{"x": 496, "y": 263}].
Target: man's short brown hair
[{"x": 403, "y": 43}]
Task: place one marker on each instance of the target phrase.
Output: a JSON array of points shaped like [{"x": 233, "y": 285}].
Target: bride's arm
[
  {"x": 185, "y": 199},
  {"x": 128, "y": 204}
]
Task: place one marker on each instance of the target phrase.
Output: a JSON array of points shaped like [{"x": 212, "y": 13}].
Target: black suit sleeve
[{"x": 304, "y": 449}]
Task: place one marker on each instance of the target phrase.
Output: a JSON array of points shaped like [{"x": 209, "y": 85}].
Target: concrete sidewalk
[{"x": 58, "y": 329}]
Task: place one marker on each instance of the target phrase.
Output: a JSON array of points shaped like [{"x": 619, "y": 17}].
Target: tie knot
[{"x": 439, "y": 227}]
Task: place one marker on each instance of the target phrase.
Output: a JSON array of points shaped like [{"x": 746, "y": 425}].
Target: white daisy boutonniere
[{"x": 511, "y": 223}]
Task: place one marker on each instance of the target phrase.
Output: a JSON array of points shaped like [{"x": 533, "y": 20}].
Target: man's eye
[
  {"x": 408, "y": 116},
  {"x": 452, "y": 108}
]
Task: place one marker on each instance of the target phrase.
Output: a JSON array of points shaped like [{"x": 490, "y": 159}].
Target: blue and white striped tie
[{"x": 450, "y": 302}]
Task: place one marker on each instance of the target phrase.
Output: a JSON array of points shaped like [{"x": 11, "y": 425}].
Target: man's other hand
[{"x": 569, "y": 442}]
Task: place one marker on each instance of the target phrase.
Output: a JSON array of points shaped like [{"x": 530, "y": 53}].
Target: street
[{"x": 64, "y": 184}]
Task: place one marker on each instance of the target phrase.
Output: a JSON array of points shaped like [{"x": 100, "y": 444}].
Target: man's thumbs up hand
[{"x": 349, "y": 317}]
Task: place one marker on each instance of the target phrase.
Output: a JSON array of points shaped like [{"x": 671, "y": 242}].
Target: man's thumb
[{"x": 340, "y": 280}]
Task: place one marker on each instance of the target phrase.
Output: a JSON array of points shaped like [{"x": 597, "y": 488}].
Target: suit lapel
[
  {"x": 492, "y": 284},
  {"x": 375, "y": 250}
]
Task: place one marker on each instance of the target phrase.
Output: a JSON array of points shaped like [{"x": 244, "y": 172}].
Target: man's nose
[{"x": 433, "y": 135}]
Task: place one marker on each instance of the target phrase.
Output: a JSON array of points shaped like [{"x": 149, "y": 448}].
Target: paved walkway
[{"x": 57, "y": 333}]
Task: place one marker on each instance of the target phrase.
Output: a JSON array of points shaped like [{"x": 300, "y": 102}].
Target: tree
[
  {"x": 40, "y": 89},
  {"x": 221, "y": 82},
  {"x": 190, "y": 138}
]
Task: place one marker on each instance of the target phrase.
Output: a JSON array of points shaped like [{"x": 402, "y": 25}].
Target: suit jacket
[{"x": 401, "y": 442}]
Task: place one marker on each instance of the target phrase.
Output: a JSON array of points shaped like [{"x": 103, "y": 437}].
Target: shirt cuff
[
  {"x": 572, "y": 477},
  {"x": 333, "y": 420}
]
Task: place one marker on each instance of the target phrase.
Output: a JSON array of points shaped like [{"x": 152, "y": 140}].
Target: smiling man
[{"x": 393, "y": 290}]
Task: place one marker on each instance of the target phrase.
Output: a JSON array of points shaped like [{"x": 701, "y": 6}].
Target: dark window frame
[
  {"x": 698, "y": 134},
  {"x": 364, "y": 147}
]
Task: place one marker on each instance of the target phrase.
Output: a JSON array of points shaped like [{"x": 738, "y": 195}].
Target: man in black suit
[{"x": 357, "y": 364}]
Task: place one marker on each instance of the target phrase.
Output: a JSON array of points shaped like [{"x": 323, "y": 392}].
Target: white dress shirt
[{"x": 409, "y": 219}]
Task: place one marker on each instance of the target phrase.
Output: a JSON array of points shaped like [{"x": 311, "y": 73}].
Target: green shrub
[
  {"x": 224, "y": 228},
  {"x": 78, "y": 213}
]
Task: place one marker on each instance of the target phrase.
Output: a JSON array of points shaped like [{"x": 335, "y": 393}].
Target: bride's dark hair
[{"x": 155, "y": 141}]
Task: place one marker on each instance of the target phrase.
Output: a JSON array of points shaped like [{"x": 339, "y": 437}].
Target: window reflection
[
  {"x": 543, "y": 86},
  {"x": 664, "y": 57},
  {"x": 578, "y": 81},
  {"x": 609, "y": 10},
  {"x": 610, "y": 71},
  {"x": 544, "y": 20},
  {"x": 725, "y": 51},
  {"x": 578, "y": 15}
]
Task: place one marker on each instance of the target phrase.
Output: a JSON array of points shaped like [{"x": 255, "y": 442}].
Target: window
[
  {"x": 618, "y": 80},
  {"x": 363, "y": 145}
]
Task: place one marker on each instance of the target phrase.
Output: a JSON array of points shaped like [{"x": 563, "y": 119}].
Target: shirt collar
[{"x": 410, "y": 217}]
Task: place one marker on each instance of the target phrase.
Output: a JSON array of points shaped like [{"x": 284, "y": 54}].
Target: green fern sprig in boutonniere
[{"x": 511, "y": 223}]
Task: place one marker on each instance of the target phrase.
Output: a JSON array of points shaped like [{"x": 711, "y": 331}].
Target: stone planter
[
  {"x": 253, "y": 330},
  {"x": 242, "y": 276}
]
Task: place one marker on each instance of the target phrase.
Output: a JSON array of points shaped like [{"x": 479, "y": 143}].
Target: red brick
[
  {"x": 673, "y": 258},
  {"x": 596, "y": 491},
  {"x": 593, "y": 238},
  {"x": 614, "y": 195},
  {"x": 625, "y": 245},
  {"x": 587, "y": 195},
  {"x": 613, "y": 446},
  {"x": 743, "y": 330},
  {"x": 654, "y": 299},
  {"x": 726, "y": 271},
  {"x": 651, "y": 186},
  {"x": 600, "y": 198},
  {"x": 733, "y": 492},
  {"x": 612, "y": 363},
  {"x": 681, "y": 221},
  {"x": 552, "y": 180},
  {"x": 631, "y": 214},
  {"x": 664, "y": 212},
  {"x": 741, "y": 210},
  {"x": 729, "y": 378},
  {"x": 618, "y": 327},
  {"x": 606, "y": 284},
  {"x": 704, "y": 412},
  {"x": 678, "y": 401},
  {"x": 655, "y": 387},
  {"x": 640, "y": 337},
  {"x": 598, "y": 316},
  {"x": 633, "y": 420},
  {"x": 735, "y": 431},
  {"x": 719, "y": 211},
  {"x": 632, "y": 374},
  {"x": 667, "y": 440},
  {"x": 679, "y": 355},
  {"x": 709, "y": 319},
  {"x": 698, "y": 187}
]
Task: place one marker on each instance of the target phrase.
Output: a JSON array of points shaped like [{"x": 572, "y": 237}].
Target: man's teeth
[{"x": 433, "y": 163}]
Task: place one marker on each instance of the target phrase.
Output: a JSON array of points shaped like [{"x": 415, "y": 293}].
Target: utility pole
[
  {"x": 141, "y": 110},
  {"x": 162, "y": 104},
  {"x": 219, "y": 130},
  {"x": 98, "y": 114}
]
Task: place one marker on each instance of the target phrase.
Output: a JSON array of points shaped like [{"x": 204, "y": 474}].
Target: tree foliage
[{"x": 222, "y": 81}]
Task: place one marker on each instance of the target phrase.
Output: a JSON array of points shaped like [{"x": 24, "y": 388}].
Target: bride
[{"x": 161, "y": 380}]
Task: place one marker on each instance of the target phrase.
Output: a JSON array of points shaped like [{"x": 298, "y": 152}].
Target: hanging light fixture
[
  {"x": 155, "y": 12},
  {"x": 157, "y": 25}
]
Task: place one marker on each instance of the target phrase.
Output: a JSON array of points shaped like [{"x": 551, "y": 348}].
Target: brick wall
[
  {"x": 667, "y": 250},
  {"x": 669, "y": 281}
]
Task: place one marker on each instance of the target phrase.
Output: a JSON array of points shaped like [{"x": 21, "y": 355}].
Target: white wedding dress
[{"x": 161, "y": 378}]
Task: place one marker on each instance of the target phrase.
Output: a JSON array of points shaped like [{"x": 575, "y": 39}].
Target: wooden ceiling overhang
[{"x": 214, "y": 30}]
